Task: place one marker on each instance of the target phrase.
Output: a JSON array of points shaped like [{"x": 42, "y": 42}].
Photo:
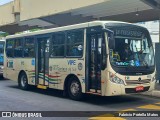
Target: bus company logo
[
  {"x": 33, "y": 62},
  {"x": 139, "y": 79},
  {"x": 71, "y": 62}
]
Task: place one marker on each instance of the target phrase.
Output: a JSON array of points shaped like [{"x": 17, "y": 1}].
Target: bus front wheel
[
  {"x": 74, "y": 89},
  {"x": 23, "y": 81}
]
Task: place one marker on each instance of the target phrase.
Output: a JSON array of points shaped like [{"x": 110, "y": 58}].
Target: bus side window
[
  {"x": 29, "y": 48},
  {"x": 18, "y": 48},
  {"x": 9, "y": 48},
  {"x": 75, "y": 43},
  {"x": 57, "y": 45}
]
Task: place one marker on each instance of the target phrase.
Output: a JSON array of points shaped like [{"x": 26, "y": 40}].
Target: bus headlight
[{"x": 115, "y": 79}]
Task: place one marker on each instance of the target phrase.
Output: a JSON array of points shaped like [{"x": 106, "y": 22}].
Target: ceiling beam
[{"x": 153, "y": 3}]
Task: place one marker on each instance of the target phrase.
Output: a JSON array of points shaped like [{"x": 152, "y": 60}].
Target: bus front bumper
[{"x": 119, "y": 89}]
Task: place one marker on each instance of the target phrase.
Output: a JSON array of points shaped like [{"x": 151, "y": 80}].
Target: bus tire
[
  {"x": 23, "y": 81},
  {"x": 74, "y": 89}
]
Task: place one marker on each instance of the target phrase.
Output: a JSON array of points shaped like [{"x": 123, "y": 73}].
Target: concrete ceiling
[
  {"x": 119, "y": 10},
  {"x": 112, "y": 7}
]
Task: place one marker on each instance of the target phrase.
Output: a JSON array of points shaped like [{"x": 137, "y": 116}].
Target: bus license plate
[{"x": 139, "y": 88}]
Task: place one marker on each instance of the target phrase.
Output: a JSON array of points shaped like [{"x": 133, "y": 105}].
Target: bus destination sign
[{"x": 127, "y": 33}]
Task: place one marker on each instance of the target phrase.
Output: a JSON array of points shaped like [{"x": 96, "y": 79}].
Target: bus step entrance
[{"x": 42, "y": 86}]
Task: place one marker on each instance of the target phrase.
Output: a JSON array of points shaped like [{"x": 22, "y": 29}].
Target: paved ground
[
  {"x": 14, "y": 99},
  {"x": 154, "y": 93}
]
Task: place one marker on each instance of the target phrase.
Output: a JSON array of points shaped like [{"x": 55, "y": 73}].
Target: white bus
[
  {"x": 83, "y": 58},
  {"x": 2, "y": 41}
]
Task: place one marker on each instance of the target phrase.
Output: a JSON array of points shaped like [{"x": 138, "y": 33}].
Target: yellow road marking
[
  {"x": 151, "y": 107},
  {"x": 106, "y": 115},
  {"x": 125, "y": 110},
  {"x": 128, "y": 110},
  {"x": 111, "y": 116},
  {"x": 157, "y": 103}
]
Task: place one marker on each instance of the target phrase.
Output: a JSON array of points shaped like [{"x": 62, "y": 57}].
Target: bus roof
[{"x": 69, "y": 27}]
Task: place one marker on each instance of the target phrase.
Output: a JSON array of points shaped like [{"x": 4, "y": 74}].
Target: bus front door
[
  {"x": 42, "y": 61},
  {"x": 94, "y": 61}
]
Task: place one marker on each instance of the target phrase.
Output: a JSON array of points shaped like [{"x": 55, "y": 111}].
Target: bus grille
[
  {"x": 129, "y": 82},
  {"x": 133, "y": 90}
]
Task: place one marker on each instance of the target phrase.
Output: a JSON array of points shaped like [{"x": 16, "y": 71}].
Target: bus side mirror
[{"x": 111, "y": 42}]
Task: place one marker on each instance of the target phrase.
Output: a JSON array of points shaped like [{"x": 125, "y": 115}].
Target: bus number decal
[
  {"x": 33, "y": 62},
  {"x": 71, "y": 62},
  {"x": 80, "y": 66}
]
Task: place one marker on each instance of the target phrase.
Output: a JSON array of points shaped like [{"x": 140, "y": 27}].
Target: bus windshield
[
  {"x": 133, "y": 52},
  {"x": 133, "y": 48}
]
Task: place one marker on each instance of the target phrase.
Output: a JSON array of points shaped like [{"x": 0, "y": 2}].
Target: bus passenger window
[
  {"x": 18, "y": 49},
  {"x": 75, "y": 43},
  {"x": 57, "y": 45},
  {"x": 9, "y": 48},
  {"x": 29, "y": 48}
]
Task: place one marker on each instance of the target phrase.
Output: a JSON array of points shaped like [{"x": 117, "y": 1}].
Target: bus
[
  {"x": 83, "y": 58},
  {"x": 2, "y": 41}
]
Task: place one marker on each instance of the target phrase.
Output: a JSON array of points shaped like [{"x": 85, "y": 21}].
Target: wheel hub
[
  {"x": 23, "y": 81},
  {"x": 74, "y": 88}
]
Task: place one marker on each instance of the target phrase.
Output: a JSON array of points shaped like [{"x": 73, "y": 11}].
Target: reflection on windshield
[{"x": 132, "y": 52}]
